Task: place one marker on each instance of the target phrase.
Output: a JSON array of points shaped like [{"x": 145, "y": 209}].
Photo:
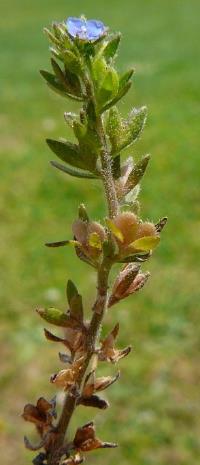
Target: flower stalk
[{"x": 87, "y": 51}]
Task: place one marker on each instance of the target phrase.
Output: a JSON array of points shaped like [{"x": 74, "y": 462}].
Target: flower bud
[
  {"x": 91, "y": 236},
  {"x": 123, "y": 282}
]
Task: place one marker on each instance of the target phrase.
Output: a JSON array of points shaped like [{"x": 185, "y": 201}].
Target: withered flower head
[
  {"x": 108, "y": 352},
  {"x": 129, "y": 231},
  {"x": 67, "y": 378},
  {"x": 42, "y": 414},
  {"x": 93, "y": 384},
  {"x": 91, "y": 236}
]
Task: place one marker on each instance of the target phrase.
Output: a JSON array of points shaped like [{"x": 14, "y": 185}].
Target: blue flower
[{"x": 88, "y": 30}]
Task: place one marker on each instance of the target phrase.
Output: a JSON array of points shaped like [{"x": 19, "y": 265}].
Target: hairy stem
[{"x": 99, "y": 306}]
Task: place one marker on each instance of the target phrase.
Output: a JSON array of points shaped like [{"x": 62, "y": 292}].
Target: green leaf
[
  {"x": 56, "y": 86},
  {"x": 111, "y": 47},
  {"x": 136, "y": 122},
  {"x": 53, "y": 82},
  {"x": 51, "y": 37},
  {"x": 74, "y": 83},
  {"x": 137, "y": 173},
  {"x": 109, "y": 87},
  {"x": 71, "y": 291},
  {"x": 75, "y": 301},
  {"x": 72, "y": 62},
  {"x": 55, "y": 317},
  {"x": 58, "y": 72},
  {"x": 130, "y": 129},
  {"x": 79, "y": 130},
  {"x": 114, "y": 127},
  {"x": 68, "y": 152},
  {"x": 125, "y": 78},
  {"x": 114, "y": 229},
  {"x": 76, "y": 308},
  {"x": 70, "y": 81},
  {"x": 99, "y": 69},
  {"x": 118, "y": 97},
  {"x": 146, "y": 243},
  {"x": 73, "y": 171}
]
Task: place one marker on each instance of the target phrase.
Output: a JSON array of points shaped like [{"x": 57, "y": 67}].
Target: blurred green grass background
[{"x": 155, "y": 407}]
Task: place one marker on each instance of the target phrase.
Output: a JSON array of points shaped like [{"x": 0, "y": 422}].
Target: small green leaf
[
  {"x": 82, "y": 213},
  {"x": 136, "y": 122},
  {"x": 130, "y": 129},
  {"x": 51, "y": 37},
  {"x": 58, "y": 72},
  {"x": 73, "y": 171},
  {"x": 111, "y": 47},
  {"x": 75, "y": 301},
  {"x": 72, "y": 62},
  {"x": 109, "y": 87},
  {"x": 95, "y": 241},
  {"x": 74, "y": 83},
  {"x": 146, "y": 243},
  {"x": 114, "y": 229},
  {"x": 71, "y": 291},
  {"x": 114, "y": 127},
  {"x": 76, "y": 307},
  {"x": 118, "y": 97},
  {"x": 79, "y": 130},
  {"x": 52, "y": 81},
  {"x": 125, "y": 78},
  {"x": 55, "y": 317},
  {"x": 99, "y": 69}
]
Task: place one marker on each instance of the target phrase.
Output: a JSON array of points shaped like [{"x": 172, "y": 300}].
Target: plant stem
[{"x": 102, "y": 291}]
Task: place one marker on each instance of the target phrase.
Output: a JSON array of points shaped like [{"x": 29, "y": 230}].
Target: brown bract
[
  {"x": 74, "y": 340},
  {"x": 85, "y": 439},
  {"x": 41, "y": 414},
  {"x": 67, "y": 378},
  {"x": 108, "y": 352},
  {"x": 93, "y": 384}
]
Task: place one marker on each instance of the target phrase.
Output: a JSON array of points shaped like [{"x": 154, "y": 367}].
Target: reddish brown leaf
[
  {"x": 85, "y": 439},
  {"x": 93, "y": 401}
]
